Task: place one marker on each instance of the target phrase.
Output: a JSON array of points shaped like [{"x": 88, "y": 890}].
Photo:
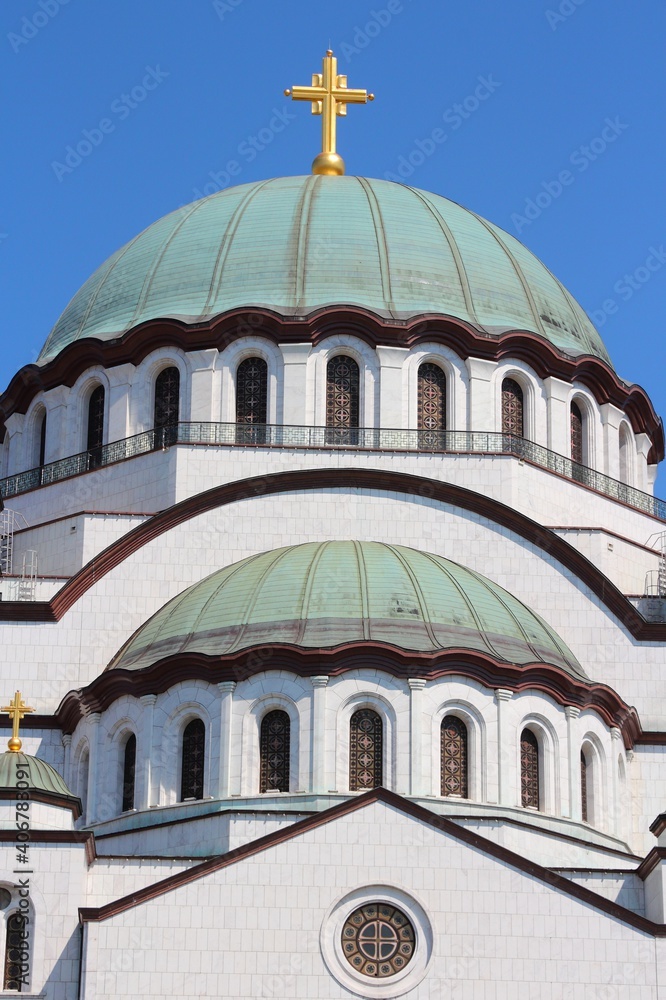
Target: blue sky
[{"x": 543, "y": 88}]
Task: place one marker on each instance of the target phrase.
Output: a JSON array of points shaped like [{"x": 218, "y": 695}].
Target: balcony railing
[{"x": 340, "y": 439}]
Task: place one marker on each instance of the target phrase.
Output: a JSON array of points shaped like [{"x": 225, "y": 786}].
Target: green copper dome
[
  {"x": 41, "y": 777},
  {"x": 325, "y": 594},
  {"x": 296, "y": 244}
]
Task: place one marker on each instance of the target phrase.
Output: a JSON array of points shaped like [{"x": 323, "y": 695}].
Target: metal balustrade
[{"x": 350, "y": 439}]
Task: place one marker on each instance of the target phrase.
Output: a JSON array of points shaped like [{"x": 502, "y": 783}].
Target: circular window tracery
[{"x": 378, "y": 940}]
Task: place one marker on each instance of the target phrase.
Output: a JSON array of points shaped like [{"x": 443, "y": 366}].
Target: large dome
[
  {"x": 296, "y": 244},
  {"x": 325, "y": 594}
]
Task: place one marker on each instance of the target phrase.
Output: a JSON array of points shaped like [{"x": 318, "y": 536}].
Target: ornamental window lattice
[
  {"x": 342, "y": 393},
  {"x": 274, "y": 752},
  {"x": 129, "y": 771},
  {"x": 378, "y": 940},
  {"x": 583, "y": 786},
  {"x": 512, "y": 408},
  {"x": 454, "y": 757},
  {"x": 15, "y": 953},
  {"x": 193, "y": 758},
  {"x": 42, "y": 440},
  {"x": 431, "y": 401},
  {"x": 576, "y": 434},
  {"x": 529, "y": 770},
  {"x": 167, "y": 406},
  {"x": 95, "y": 433},
  {"x": 365, "y": 750},
  {"x": 252, "y": 400}
]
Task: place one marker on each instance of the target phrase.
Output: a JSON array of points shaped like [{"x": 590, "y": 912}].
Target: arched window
[
  {"x": 82, "y": 781},
  {"x": 625, "y": 455},
  {"x": 41, "y": 430},
  {"x": 342, "y": 400},
  {"x": 274, "y": 752},
  {"x": 512, "y": 408},
  {"x": 529, "y": 769},
  {"x": 431, "y": 405},
  {"x": 252, "y": 400},
  {"x": 365, "y": 750},
  {"x": 167, "y": 406},
  {"x": 576, "y": 434},
  {"x": 193, "y": 758},
  {"x": 16, "y": 975},
  {"x": 95, "y": 435},
  {"x": 129, "y": 771},
  {"x": 584, "y": 775},
  {"x": 454, "y": 757}
]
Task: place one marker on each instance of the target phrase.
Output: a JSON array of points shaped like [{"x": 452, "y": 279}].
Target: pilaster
[
  {"x": 294, "y": 401},
  {"x": 505, "y": 758},
  {"x": 120, "y": 380},
  {"x": 482, "y": 408},
  {"x": 391, "y": 361},
  {"x": 145, "y": 795},
  {"x": 318, "y": 781},
  {"x": 416, "y": 783},
  {"x": 573, "y": 753},
  {"x": 204, "y": 401},
  {"x": 226, "y": 689}
]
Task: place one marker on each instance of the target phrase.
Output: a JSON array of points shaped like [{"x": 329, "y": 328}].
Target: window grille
[
  {"x": 167, "y": 406},
  {"x": 16, "y": 953},
  {"x": 378, "y": 940},
  {"x": 583, "y": 786},
  {"x": 454, "y": 757},
  {"x": 431, "y": 404},
  {"x": 365, "y": 750},
  {"x": 576, "y": 434},
  {"x": 95, "y": 436},
  {"x": 193, "y": 758},
  {"x": 129, "y": 771},
  {"x": 512, "y": 408},
  {"x": 274, "y": 752},
  {"x": 342, "y": 400},
  {"x": 42, "y": 440},
  {"x": 252, "y": 400},
  {"x": 529, "y": 769}
]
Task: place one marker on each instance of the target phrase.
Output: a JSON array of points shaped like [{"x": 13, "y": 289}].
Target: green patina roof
[
  {"x": 324, "y": 594},
  {"x": 42, "y": 777},
  {"x": 295, "y": 244}
]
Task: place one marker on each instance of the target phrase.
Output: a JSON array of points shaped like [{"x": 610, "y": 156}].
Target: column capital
[
  {"x": 203, "y": 361},
  {"x": 120, "y": 375},
  {"x": 66, "y": 739},
  {"x": 503, "y": 694},
  {"x": 148, "y": 700},
  {"x": 295, "y": 354},
  {"x": 417, "y": 683},
  {"x": 95, "y": 718},
  {"x": 616, "y": 734},
  {"x": 571, "y": 711},
  {"x": 319, "y": 680},
  {"x": 226, "y": 687}
]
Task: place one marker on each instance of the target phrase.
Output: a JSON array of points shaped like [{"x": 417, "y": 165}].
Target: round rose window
[{"x": 378, "y": 940}]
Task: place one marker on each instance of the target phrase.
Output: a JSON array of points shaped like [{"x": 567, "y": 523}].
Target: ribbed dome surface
[
  {"x": 42, "y": 777},
  {"x": 325, "y": 594},
  {"x": 296, "y": 244}
]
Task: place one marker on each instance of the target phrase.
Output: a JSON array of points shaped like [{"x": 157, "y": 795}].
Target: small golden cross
[
  {"x": 330, "y": 96},
  {"x": 16, "y": 710}
]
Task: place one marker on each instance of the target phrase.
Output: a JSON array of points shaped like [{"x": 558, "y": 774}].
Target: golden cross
[
  {"x": 16, "y": 710},
  {"x": 330, "y": 96}
]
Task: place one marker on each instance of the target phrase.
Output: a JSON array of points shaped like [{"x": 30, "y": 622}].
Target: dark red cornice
[
  {"x": 492, "y": 673},
  {"x": 446, "y": 826},
  {"x": 461, "y": 337},
  {"x": 70, "y": 802},
  {"x": 84, "y": 837},
  {"x": 316, "y": 479}
]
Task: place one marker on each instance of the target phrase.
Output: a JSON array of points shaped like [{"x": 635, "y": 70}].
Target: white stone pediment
[{"x": 265, "y": 919}]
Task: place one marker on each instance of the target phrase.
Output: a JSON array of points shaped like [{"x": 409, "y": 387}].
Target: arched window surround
[
  {"x": 251, "y": 738},
  {"x": 82, "y": 777},
  {"x": 229, "y": 360},
  {"x": 626, "y": 454},
  {"x": 125, "y": 778},
  {"x": 590, "y": 417},
  {"x": 84, "y": 392},
  {"x": 166, "y": 430},
  {"x": 34, "y": 951},
  {"x": 477, "y": 755},
  {"x": 534, "y": 402},
  {"x": 386, "y": 712},
  {"x": 595, "y": 760},
  {"x": 193, "y": 717},
  {"x": 369, "y": 377},
  {"x": 143, "y": 387},
  {"x": 549, "y": 763},
  {"x": 178, "y": 707},
  {"x": 268, "y": 787},
  {"x": 457, "y": 384}
]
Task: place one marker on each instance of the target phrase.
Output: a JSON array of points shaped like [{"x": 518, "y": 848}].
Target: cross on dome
[
  {"x": 16, "y": 710},
  {"x": 330, "y": 96}
]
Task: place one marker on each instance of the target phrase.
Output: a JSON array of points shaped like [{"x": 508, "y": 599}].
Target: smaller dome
[
  {"x": 326, "y": 594},
  {"x": 41, "y": 777}
]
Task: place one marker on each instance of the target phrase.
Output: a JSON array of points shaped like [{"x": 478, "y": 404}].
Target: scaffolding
[{"x": 11, "y": 521}]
